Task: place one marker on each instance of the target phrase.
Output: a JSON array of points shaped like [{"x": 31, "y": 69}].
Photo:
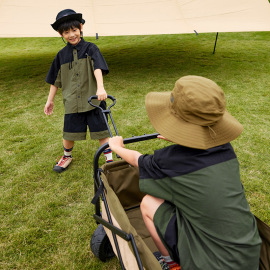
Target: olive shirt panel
[{"x": 73, "y": 71}]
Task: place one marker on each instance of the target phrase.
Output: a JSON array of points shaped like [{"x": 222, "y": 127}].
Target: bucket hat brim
[
  {"x": 177, "y": 130},
  {"x": 75, "y": 16}
]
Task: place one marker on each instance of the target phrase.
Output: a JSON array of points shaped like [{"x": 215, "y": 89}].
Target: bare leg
[
  {"x": 103, "y": 141},
  {"x": 107, "y": 152},
  {"x": 149, "y": 205},
  {"x": 66, "y": 159},
  {"x": 68, "y": 144}
]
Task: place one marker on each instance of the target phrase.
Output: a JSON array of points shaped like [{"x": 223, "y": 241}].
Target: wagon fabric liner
[{"x": 123, "y": 195}]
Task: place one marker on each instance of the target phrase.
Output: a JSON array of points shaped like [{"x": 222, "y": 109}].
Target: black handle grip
[{"x": 96, "y": 97}]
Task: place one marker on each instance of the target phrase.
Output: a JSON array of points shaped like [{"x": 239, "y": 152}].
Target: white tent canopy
[{"x": 32, "y": 18}]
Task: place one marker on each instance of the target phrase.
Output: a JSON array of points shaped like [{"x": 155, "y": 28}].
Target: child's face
[{"x": 73, "y": 35}]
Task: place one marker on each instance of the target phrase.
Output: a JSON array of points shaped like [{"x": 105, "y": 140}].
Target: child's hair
[{"x": 65, "y": 26}]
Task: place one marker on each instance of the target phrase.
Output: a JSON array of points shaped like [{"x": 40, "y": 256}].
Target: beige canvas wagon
[{"x": 121, "y": 230}]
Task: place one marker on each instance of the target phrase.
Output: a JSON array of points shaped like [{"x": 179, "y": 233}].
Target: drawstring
[
  {"x": 88, "y": 66},
  {"x": 64, "y": 41},
  {"x": 88, "y": 69},
  {"x": 211, "y": 131}
]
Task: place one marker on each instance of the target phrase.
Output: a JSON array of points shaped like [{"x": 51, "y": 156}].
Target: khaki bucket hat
[{"x": 193, "y": 114}]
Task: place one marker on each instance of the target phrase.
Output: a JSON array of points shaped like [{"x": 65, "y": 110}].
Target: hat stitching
[{"x": 211, "y": 130}]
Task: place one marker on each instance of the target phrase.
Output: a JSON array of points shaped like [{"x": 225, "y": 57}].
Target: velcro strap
[{"x": 98, "y": 193}]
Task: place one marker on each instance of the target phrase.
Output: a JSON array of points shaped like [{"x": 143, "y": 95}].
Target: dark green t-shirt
[{"x": 206, "y": 220}]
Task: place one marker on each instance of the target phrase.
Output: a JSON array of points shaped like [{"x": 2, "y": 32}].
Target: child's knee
[
  {"x": 143, "y": 203},
  {"x": 150, "y": 204}
]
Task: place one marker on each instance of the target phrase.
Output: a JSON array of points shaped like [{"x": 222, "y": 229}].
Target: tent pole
[{"x": 215, "y": 44}]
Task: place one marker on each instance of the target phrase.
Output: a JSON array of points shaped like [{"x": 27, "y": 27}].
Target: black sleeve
[
  {"x": 53, "y": 71},
  {"x": 99, "y": 61},
  {"x": 149, "y": 167},
  {"x": 176, "y": 160}
]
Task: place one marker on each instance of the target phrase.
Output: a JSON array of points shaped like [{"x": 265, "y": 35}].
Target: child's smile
[{"x": 73, "y": 36}]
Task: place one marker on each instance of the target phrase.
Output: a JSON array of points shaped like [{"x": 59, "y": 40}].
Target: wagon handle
[
  {"x": 106, "y": 112},
  {"x": 96, "y": 97}
]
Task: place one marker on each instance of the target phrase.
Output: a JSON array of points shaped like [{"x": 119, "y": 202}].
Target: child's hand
[
  {"x": 101, "y": 93},
  {"x": 48, "y": 109},
  {"x": 115, "y": 142},
  {"x": 130, "y": 156},
  {"x": 163, "y": 138}
]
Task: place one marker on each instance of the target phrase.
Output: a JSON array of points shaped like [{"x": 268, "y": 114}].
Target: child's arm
[
  {"x": 101, "y": 93},
  {"x": 48, "y": 109},
  {"x": 117, "y": 146}
]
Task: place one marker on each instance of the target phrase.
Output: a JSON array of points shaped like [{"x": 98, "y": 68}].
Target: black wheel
[{"x": 100, "y": 244}]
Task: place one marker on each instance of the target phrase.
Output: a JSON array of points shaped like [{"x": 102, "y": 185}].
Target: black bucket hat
[{"x": 66, "y": 15}]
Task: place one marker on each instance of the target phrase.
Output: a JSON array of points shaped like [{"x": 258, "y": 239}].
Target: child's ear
[{"x": 81, "y": 31}]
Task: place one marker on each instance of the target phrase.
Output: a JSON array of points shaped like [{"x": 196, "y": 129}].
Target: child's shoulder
[
  {"x": 90, "y": 45},
  {"x": 63, "y": 50},
  {"x": 91, "y": 49}
]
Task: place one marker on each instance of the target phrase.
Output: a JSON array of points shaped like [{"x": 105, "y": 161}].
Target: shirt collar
[{"x": 78, "y": 46}]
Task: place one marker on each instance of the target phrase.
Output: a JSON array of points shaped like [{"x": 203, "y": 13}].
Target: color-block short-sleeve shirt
[
  {"x": 210, "y": 225},
  {"x": 73, "y": 71}
]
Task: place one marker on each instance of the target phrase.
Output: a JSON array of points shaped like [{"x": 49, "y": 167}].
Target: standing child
[
  {"x": 78, "y": 69},
  {"x": 195, "y": 208}
]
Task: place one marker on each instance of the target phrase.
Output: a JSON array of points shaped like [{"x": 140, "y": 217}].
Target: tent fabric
[{"x": 31, "y": 18}]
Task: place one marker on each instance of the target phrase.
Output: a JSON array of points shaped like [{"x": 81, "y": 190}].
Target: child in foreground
[
  {"x": 78, "y": 69},
  {"x": 195, "y": 208}
]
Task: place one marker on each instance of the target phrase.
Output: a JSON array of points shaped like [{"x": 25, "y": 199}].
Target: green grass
[{"x": 46, "y": 218}]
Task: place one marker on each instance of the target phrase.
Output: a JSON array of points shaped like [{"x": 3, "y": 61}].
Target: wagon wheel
[{"x": 100, "y": 244}]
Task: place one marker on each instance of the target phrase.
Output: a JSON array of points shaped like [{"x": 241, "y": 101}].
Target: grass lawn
[{"x": 46, "y": 218}]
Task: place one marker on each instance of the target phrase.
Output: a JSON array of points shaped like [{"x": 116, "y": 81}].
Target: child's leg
[
  {"x": 99, "y": 130},
  {"x": 149, "y": 206},
  {"x": 103, "y": 141},
  {"x": 66, "y": 159},
  {"x": 68, "y": 145},
  {"x": 107, "y": 152}
]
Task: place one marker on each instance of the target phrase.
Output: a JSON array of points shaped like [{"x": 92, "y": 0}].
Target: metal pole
[{"x": 215, "y": 43}]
